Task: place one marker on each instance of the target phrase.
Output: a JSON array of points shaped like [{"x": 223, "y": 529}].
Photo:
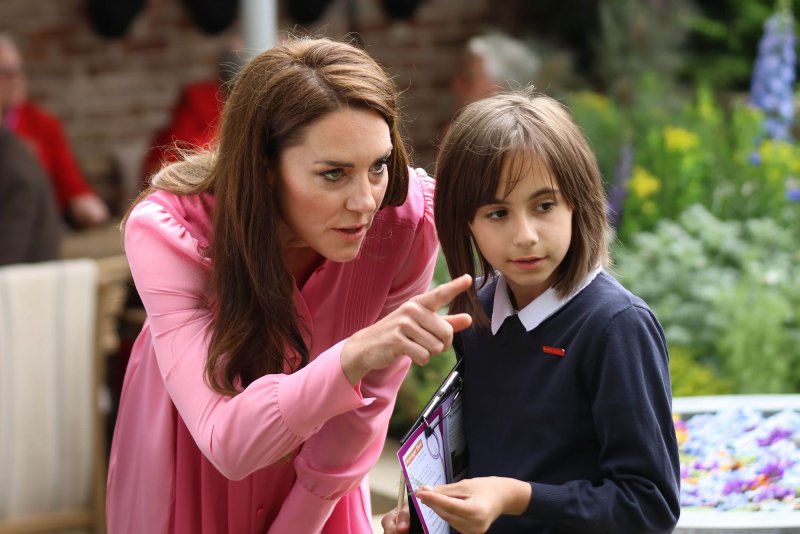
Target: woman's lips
[{"x": 353, "y": 233}]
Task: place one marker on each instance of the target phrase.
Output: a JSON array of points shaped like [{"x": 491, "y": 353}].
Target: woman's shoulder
[
  {"x": 419, "y": 201},
  {"x": 165, "y": 211}
]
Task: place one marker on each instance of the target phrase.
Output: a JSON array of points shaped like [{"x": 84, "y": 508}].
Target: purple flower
[
  {"x": 735, "y": 486},
  {"x": 793, "y": 194},
  {"x": 772, "y": 470},
  {"x": 772, "y": 492},
  {"x": 775, "y": 435},
  {"x": 705, "y": 465}
]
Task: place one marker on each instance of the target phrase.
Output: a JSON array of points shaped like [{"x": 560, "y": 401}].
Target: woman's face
[{"x": 333, "y": 182}]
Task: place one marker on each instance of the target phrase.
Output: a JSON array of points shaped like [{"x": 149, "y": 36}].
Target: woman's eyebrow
[
  {"x": 333, "y": 163},
  {"x": 349, "y": 164},
  {"x": 336, "y": 163}
]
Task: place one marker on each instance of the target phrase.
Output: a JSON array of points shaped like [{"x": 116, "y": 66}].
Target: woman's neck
[{"x": 301, "y": 263}]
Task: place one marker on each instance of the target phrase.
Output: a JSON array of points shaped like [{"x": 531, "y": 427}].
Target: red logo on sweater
[{"x": 556, "y": 351}]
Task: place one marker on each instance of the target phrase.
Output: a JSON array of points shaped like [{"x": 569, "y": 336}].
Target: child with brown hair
[{"x": 566, "y": 388}]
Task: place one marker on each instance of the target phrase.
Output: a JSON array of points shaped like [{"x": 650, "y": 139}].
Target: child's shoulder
[
  {"x": 605, "y": 296},
  {"x": 485, "y": 287}
]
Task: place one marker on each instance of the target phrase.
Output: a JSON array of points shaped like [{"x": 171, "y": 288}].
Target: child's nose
[{"x": 526, "y": 233}]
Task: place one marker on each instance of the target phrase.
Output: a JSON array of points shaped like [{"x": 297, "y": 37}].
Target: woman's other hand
[
  {"x": 414, "y": 329},
  {"x": 396, "y": 521}
]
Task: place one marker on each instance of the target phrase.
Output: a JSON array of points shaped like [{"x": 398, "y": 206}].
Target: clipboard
[{"x": 433, "y": 451}]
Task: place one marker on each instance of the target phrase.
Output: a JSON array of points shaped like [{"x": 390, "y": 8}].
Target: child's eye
[
  {"x": 333, "y": 175},
  {"x": 496, "y": 214},
  {"x": 545, "y": 206},
  {"x": 378, "y": 167}
]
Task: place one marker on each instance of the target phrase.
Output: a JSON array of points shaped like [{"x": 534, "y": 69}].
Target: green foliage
[
  {"x": 722, "y": 41},
  {"x": 690, "y": 378},
  {"x": 726, "y": 289},
  {"x": 691, "y": 152},
  {"x": 421, "y": 382},
  {"x": 418, "y": 387},
  {"x": 603, "y": 125},
  {"x": 636, "y": 38}
]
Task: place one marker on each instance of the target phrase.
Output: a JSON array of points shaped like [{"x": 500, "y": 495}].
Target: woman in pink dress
[{"x": 284, "y": 277}]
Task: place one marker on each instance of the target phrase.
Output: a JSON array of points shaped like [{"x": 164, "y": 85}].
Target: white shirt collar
[{"x": 538, "y": 310}]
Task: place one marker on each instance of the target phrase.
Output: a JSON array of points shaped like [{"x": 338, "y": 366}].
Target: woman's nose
[{"x": 361, "y": 198}]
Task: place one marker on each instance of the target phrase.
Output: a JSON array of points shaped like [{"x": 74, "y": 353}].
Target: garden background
[
  {"x": 703, "y": 172},
  {"x": 690, "y": 106}
]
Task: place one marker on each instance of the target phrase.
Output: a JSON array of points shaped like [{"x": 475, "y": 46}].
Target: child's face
[{"x": 525, "y": 235}]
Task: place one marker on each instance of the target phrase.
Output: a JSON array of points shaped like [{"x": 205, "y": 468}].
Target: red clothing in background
[
  {"x": 46, "y": 136},
  {"x": 193, "y": 125}
]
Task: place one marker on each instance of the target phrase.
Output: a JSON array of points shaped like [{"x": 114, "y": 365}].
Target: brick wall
[{"x": 113, "y": 94}]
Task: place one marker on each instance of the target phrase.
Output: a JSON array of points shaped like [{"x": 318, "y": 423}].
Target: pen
[
  {"x": 443, "y": 391},
  {"x": 401, "y": 495}
]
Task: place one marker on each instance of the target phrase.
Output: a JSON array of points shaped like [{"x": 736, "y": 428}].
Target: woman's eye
[
  {"x": 378, "y": 167},
  {"x": 333, "y": 175}
]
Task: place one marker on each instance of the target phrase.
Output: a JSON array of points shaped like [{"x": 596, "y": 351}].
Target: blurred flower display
[{"x": 740, "y": 459}]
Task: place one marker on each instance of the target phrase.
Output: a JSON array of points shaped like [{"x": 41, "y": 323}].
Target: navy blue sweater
[{"x": 591, "y": 430}]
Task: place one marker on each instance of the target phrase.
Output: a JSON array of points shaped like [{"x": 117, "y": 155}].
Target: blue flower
[
  {"x": 793, "y": 194},
  {"x": 772, "y": 86}
]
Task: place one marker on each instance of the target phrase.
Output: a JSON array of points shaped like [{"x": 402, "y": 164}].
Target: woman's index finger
[{"x": 443, "y": 294}]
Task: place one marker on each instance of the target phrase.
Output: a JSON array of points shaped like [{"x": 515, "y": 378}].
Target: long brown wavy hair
[
  {"x": 275, "y": 98},
  {"x": 485, "y": 137}
]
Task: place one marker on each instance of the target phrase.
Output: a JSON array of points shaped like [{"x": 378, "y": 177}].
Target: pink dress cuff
[{"x": 328, "y": 383}]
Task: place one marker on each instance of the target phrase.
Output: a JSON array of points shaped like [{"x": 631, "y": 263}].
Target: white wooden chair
[{"x": 57, "y": 326}]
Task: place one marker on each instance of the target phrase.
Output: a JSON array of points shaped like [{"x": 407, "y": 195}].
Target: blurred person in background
[
  {"x": 76, "y": 200},
  {"x": 195, "y": 117},
  {"x": 491, "y": 62},
  {"x": 30, "y": 229}
]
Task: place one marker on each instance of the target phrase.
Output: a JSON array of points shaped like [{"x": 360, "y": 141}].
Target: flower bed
[{"x": 740, "y": 463}]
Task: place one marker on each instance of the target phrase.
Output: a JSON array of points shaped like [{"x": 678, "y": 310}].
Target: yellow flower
[
  {"x": 643, "y": 183},
  {"x": 780, "y": 154},
  {"x": 680, "y": 139},
  {"x": 593, "y": 100},
  {"x": 649, "y": 208}
]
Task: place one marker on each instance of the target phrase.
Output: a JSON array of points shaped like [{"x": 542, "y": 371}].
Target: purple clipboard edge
[{"x": 436, "y": 415}]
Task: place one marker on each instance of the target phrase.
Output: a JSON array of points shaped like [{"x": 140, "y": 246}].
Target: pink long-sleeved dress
[{"x": 290, "y": 452}]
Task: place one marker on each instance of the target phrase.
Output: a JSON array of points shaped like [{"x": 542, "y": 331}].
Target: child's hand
[
  {"x": 472, "y": 505},
  {"x": 396, "y": 522}
]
